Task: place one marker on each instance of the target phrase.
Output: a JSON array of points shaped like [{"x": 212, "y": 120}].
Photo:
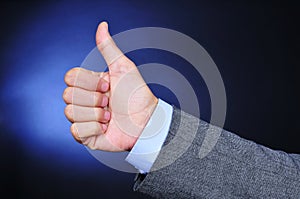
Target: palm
[{"x": 131, "y": 104}]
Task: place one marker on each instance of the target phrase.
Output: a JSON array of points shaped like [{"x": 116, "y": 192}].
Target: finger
[
  {"x": 76, "y": 113},
  {"x": 81, "y": 97},
  {"x": 81, "y": 131},
  {"x": 99, "y": 142},
  {"x": 88, "y": 80},
  {"x": 93, "y": 135},
  {"x": 113, "y": 56}
]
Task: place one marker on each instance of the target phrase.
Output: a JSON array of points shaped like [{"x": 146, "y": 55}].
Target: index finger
[{"x": 88, "y": 80}]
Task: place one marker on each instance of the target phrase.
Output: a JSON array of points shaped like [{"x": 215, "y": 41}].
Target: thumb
[{"x": 107, "y": 47}]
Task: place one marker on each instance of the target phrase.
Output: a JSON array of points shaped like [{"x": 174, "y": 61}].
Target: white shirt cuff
[{"x": 146, "y": 149}]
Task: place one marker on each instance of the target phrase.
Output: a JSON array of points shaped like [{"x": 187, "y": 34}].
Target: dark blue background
[{"x": 254, "y": 44}]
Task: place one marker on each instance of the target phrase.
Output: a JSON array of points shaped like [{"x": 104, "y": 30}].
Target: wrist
[
  {"x": 146, "y": 149},
  {"x": 147, "y": 113}
]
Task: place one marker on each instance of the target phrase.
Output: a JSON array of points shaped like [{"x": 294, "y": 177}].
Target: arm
[{"x": 235, "y": 168}]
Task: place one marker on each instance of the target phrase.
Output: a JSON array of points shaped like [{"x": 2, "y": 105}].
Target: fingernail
[
  {"x": 104, "y": 127},
  {"x": 104, "y": 86},
  {"x": 107, "y": 115},
  {"x": 104, "y": 100}
]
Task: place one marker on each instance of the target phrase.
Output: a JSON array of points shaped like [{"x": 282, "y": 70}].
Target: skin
[{"x": 108, "y": 110}]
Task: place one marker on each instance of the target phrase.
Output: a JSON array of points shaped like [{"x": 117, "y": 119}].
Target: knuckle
[
  {"x": 97, "y": 98},
  {"x": 74, "y": 132},
  {"x": 75, "y": 70},
  {"x": 67, "y": 94},
  {"x": 96, "y": 130},
  {"x": 105, "y": 76},
  {"x": 70, "y": 75},
  {"x": 100, "y": 74},
  {"x": 69, "y": 112}
]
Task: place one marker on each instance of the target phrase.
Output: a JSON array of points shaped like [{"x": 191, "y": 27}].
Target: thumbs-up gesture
[{"x": 108, "y": 110}]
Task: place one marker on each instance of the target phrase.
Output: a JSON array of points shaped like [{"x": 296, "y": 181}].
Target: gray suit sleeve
[{"x": 234, "y": 168}]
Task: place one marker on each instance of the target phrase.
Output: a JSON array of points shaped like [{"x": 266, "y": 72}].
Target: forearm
[{"x": 235, "y": 168}]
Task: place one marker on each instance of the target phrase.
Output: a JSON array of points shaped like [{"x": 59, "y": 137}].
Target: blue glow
[{"x": 50, "y": 41}]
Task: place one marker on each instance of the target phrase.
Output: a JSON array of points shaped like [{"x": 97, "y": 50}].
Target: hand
[{"x": 108, "y": 110}]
